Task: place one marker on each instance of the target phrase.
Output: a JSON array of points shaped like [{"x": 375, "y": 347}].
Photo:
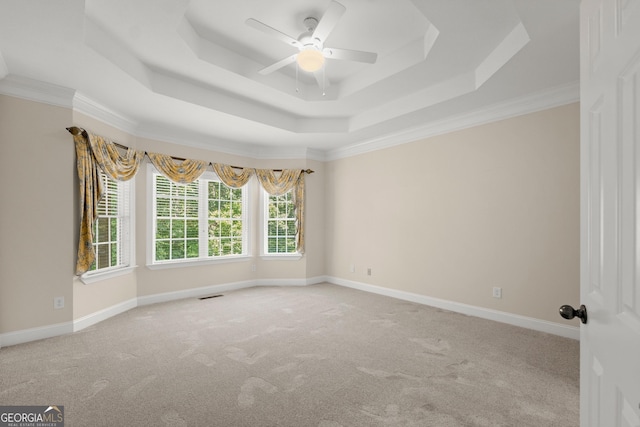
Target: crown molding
[
  {"x": 185, "y": 138},
  {"x": 39, "y": 91},
  {"x": 550, "y": 98},
  {"x": 291, "y": 153},
  {"x": 36, "y": 90},
  {"x": 84, "y": 105},
  {"x": 47, "y": 93}
]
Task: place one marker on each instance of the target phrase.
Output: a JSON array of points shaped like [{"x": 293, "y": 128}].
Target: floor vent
[{"x": 211, "y": 296}]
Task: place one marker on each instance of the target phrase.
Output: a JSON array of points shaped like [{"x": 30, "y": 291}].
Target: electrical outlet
[
  {"x": 253, "y": 267},
  {"x": 497, "y": 292},
  {"x": 368, "y": 271},
  {"x": 352, "y": 268},
  {"x": 58, "y": 302}
]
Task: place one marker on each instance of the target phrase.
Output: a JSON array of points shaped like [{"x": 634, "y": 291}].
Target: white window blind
[{"x": 113, "y": 227}]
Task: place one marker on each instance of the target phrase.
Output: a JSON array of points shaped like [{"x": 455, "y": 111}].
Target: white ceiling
[{"x": 188, "y": 69}]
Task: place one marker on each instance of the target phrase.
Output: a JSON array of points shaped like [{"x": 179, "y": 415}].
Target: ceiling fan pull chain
[{"x": 324, "y": 78}]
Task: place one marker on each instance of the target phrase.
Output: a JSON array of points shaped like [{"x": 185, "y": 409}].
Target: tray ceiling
[{"x": 191, "y": 68}]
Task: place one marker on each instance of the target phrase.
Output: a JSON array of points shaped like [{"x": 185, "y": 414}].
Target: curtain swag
[
  {"x": 278, "y": 185},
  {"x": 228, "y": 175},
  {"x": 95, "y": 152},
  {"x": 182, "y": 173},
  {"x": 116, "y": 166}
]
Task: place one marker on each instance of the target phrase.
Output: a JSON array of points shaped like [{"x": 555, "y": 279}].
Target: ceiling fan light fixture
[{"x": 310, "y": 59}]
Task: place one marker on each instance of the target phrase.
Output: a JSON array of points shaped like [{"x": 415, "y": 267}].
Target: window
[
  {"x": 280, "y": 224},
  {"x": 112, "y": 229},
  {"x": 201, "y": 220}
]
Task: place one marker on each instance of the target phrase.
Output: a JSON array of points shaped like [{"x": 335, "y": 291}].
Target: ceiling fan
[{"x": 311, "y": 50}]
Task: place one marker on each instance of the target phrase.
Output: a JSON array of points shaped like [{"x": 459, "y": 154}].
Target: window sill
[
  {"x": 99, "y": 276},
  {"x": 197, "y": 262},
  {"x": 281, "y": 257}
]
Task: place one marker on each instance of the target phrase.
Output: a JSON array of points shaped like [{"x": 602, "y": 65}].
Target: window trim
[
  {"x": 263, "y": 217},
  {"x": 195, "y": 262},
  {"x": 107, "y": 273},
  {"x": 152, "y": 264},
  {"x": 110, "y": 272}
]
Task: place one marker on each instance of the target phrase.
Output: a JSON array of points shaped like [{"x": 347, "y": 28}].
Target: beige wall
[
  {"x": 453, "y": 216},
  {"x": 495, "y": 205},
  {"x": 37, "y": 214}
]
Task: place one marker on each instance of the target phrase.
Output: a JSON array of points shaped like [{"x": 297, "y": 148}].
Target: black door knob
[{"x": 569, "y": 312}]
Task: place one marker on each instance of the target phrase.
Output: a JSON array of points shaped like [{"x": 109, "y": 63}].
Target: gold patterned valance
[
  {"x": 95, "y": 152},
  {"x": 182, "y": 171},
  {"x": 278, "y": 184},
  {"x": 228, "y": 175},
  {"x": 118, "y": 167}
]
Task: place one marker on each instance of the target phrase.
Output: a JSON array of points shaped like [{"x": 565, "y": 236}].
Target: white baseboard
[
  {"x": 470, "y": 310},
  {"x": 290, "y": 282},
  {"x": 35, "y": 334},
  {"x": 194, "y": 292},
  {"x": 216, "y": 289},
  {"x": 315, "y": 280},
  {"x": 99, "y": 316}
]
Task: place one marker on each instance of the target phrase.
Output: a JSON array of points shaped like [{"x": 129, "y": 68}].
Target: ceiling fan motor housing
[
  {"x": 306, "y": 38},
  {"x": 310, "y": 23}
]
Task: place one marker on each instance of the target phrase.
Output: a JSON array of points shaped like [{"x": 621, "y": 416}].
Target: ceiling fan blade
[
  {"x": 273, "y": 67},
  {"x": 328, "y": 21},
  {"x": 273, "y": 32},
  {"x": 350, "y": 55}
]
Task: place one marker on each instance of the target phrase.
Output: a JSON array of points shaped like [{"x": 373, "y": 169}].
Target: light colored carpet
[{"x": 321, "y": 355}]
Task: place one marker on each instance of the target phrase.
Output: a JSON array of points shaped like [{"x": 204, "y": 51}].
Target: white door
[{"x": 610, "y": 212}]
